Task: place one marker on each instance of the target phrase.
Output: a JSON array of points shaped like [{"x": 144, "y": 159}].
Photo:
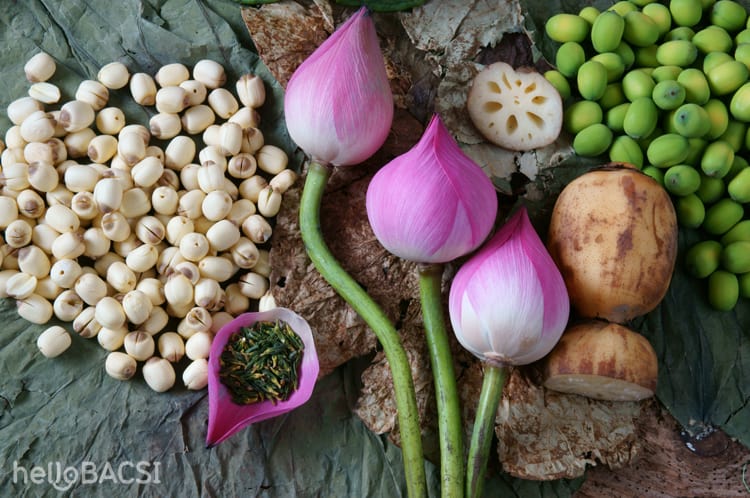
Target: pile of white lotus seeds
[{"x": 147, "y": 249}]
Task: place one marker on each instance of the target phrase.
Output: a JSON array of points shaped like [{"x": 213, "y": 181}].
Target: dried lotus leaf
[
  {"x": 376, "y": 405},
  {"x": 546, "y": 435},
  {"x": 285, "y": 34}
]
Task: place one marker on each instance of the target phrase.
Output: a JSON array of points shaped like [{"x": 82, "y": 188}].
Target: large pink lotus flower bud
[
  {"x": 508, "y": 304},
  {"x": 338, "y": 103},
  {"x": 433, "y": 203}
]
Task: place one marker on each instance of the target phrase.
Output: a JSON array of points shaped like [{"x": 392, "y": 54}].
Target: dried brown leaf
[
  {"x": 285, "y": 33},
  {"x": 376, "y": 405},
  {"x": 548, "y": 435}
]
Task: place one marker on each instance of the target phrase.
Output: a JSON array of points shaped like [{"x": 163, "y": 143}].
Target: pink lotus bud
[
  {"x": 225, "y": 417},
  {"x": 338, "y": 103},
  {"x": 432, "y": 204},
  {"x": 508, "y": 304}
]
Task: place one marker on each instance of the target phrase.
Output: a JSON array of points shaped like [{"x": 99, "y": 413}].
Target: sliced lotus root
[{"x": 515, "y": 109}]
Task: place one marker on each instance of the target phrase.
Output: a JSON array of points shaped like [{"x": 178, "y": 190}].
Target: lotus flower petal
[
  {"x": 508, "y": 304},
  {"x": 338, "y": 103},
  {"x": 225, "y": 417},
  {"x": 433, "y": 203}
]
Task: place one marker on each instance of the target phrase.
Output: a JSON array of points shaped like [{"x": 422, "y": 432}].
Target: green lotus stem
[
  {"x": 373, "y": 315},
  {"x": 449, "y": 412},
  {"x": 484, "y": 424}
]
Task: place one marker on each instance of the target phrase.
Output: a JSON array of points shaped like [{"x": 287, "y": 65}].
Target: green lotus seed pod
[
  {"x": 592, "y": 141},
  {"x": 739, "y": 187},
  {"x": 695, "y": 84},
  {"x": 729, "y": 15},
  {"x": 680, "y": 33},
  {"x": 667, "y": 121},
  {"x": 640, "y": 30},
  {"x": 691, "y": 121},
  {"x": 739, "y": 232},
  {"x": 607, "y": 30},
  {"x": 668, "y": 95},
  {"x": 690, "y": 210},
  {"x": 727, "y": 77},
  {"x": 734, "y": 134},
  {"x": 681, "y": 179},
  {"x": 744, "y": 284},
  {"x": 567, "y": 27},
  {"x": 738, "y": 165},
  {"x": 645, "y": 57},
  {"x": 626, "y": 54},
  {"x": 661, "y": 16},
  {"x": 589, "y": 13},
  {"x": 665, "y": 73},
  {"x": 713, "y": 59},
  {"x": 736, "y": 257},
  {"x": 656, "y": 173},
  {"x": 712, "y": 39},
  {"x": 560, "y": 82},
  {"x": 667, "y": 150},
  {"x": 722, "y": 216},
  {"x": 612, "y": 96},
  {"x": 569, "y": 58},
  {"x": 686, "y": 12},
  {"x": 637, "y": 83},
  {"x": 677, "y": 53},
  {"x": 703, "y": 258},
  {"x": 646, "y": 141},
  {"x": 723, "y": 290},
  {"x": 626, "y": 150},
  {"x": 718, "y": 116},
  {"x": 641, "y": 118},
  {"x": 739, "y": 106},
  {"x": 580, "y": 115},
  {"x": 623, "y": 7},
  {"x": 592, "y": 80},
  {"x": 742, "y": 37},
  {"x": 742, "y": 53},
  {"x": 696, "y": 146},
  {"x": 717, "y": 159},
  {"x": 615, "y": 117},
  {"x": 711, "y": 190},
  {"x": 612, "y": 63}
]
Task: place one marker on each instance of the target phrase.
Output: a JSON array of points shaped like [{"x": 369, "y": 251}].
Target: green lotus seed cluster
[{"x": 664, "y": 86}]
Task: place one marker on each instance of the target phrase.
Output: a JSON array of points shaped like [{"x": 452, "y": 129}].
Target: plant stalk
[
  {"x": 450, "y": 426},
  {"x": 373, "y": 315},
  {"x": 484, "y": 424}
]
